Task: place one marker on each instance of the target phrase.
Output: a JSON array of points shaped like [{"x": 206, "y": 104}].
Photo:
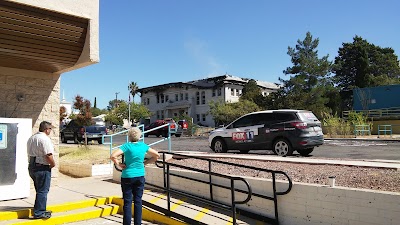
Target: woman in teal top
[{"x": 133, "y": 172}]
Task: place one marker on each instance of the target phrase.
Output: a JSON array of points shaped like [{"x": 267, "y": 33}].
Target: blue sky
[{"x": 153, "y": 42}]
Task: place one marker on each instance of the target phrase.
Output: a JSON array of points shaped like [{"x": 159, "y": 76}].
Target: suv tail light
[
  {"x": 299, "y": 125},
  {"x": 172, "y": 126}
]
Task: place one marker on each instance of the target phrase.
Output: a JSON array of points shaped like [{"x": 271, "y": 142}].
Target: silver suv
[{"x": 283, "y": 131}]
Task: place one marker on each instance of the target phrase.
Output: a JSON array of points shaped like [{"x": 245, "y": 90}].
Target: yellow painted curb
[
  {"x": 61, "y": 219},
  {"x": 106, "y": 206},
  {"x": 26, "y": 213}
]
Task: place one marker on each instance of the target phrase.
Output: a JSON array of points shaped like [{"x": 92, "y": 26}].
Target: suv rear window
[{"x": 284, "y": 117}]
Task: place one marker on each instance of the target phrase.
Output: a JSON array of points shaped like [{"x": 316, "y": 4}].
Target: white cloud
[{"x": 198, "y": 49}]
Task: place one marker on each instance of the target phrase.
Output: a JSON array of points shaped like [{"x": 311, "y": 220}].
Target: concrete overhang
[{"x": 34, "y": 38}]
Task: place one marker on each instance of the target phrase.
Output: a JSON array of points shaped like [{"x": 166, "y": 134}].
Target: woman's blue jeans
[
  {"x": 132, "y": 190},
  {"x": 41, "y": 176}
]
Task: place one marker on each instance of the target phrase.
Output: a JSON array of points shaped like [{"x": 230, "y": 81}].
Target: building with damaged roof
[{"x": 192, "y": 98}]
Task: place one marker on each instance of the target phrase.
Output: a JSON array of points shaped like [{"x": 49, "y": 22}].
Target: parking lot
[{"x": 332, "y": 148}]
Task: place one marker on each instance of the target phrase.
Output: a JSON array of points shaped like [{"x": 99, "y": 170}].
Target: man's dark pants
[
  {"x": 41, "y": 176},
  {"x": 132, "y": 189}
]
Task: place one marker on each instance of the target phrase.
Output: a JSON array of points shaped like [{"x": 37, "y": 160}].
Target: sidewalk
[{"x": 67, "y": 189}]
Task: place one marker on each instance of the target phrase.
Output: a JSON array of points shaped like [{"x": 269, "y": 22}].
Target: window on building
[
  {"x": 158, "y": 98},
  {"x": 198, "y": 117},
  {"x": 181, "y": 96},
  {"x": 213, "y": 92},
  {"x": 232, "y": 92},
  {"x": 197, "y": 98},
  {"x": 166, "y": 98},
  {"x": 176, "y": 97},
  {"x": 186, "y": 96},
  {"x": 237, "y": 92},
  {"x": 203, "y": 97},
  {"x": 158, "y": 115},
  {"x": 219, "y": 91},
  {"x": 148, "y": 101},
  {"x": 162, "y": 114},
  {"x": 162, "y": 98},
  {"x": 203, "y": 117}
]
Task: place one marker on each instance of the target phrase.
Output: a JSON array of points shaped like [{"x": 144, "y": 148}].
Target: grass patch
[{"x": 84, "y": 154}]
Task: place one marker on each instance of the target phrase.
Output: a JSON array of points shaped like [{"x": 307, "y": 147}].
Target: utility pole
[
  {"x": 116, "y": 99},
  {"x": 129, "y": 111}
]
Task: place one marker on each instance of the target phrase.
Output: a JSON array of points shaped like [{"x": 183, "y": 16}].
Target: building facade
[
  {"x": 40, "y": 41},
  {"x": 192, "y": 98}
]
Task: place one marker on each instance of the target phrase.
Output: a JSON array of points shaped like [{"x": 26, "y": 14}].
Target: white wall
[{"x": 305, "y": 204}]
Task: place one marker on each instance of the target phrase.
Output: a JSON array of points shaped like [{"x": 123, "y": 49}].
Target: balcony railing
[{"x": 376, "y": 113}]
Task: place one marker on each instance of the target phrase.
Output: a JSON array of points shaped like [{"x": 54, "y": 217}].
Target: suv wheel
[
  {"x": 63, "y": 140},
  {"x": 219, "y": 146},
  {"x": 282, "y": 147},
  {"x": 75, "y": 139},
  {"x": 305, "y": 152}
]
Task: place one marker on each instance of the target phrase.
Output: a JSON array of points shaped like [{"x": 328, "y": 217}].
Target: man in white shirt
[{"x": 40, "y": 152}]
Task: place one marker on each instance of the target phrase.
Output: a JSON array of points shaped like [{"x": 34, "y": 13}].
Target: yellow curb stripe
[
  {"x": 201, "y": 214},
  {"x": 177, "y": 204},
  {"x": 151, "y": 216},
  {"x": 230, "y": 221},
  {"x": 96, "y": 213},
  {"x": 156, "y": 199},
  {"x": 25, "y": 213}
]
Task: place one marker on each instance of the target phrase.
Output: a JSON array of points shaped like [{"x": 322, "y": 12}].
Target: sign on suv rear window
[{"x": 308, "y": 116}]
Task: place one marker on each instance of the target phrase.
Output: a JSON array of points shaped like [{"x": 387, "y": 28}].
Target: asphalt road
[{"x": 348, "y": 149}]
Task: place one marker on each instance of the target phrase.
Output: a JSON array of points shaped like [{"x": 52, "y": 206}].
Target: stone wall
[{"x": 31, "y": 94}]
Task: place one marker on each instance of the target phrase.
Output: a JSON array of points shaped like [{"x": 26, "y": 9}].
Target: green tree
[
  {"x": 133, "y": 89},
  {"x": 224, "y": 113},
  {"x": 96, "y": 111},
  {"x": 84, "y": 117},
  {"x": 138, "y": 111},
  {"x": 362, "y": 64},
  {"x": 309, "y": 80},
  {"x": 251, "y": 91},
  {"x": 113, "y": 103},
  {"x": 95, "y": 103}
]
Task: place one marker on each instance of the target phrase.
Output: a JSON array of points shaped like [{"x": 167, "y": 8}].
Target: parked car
[
  {"x": 282, "y": 131},
  {"x": 158, "y": 132},
  {"x": 182, "y": 127},
  {"x": 173, "y": 126},
  {"x": 162, "y": 131},
  {"x": 77, "y": 133}
]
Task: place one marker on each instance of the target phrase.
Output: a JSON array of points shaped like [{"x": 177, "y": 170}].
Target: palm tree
[{"x": 133, "y": 89}]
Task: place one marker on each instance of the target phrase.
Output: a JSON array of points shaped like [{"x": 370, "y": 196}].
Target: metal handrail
[
  {"x": 385, "y": 129},
  {"x": 167, "y": 173},
  {"x": 141, "y": 126},
  {"x": 361, "y": 129}
]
